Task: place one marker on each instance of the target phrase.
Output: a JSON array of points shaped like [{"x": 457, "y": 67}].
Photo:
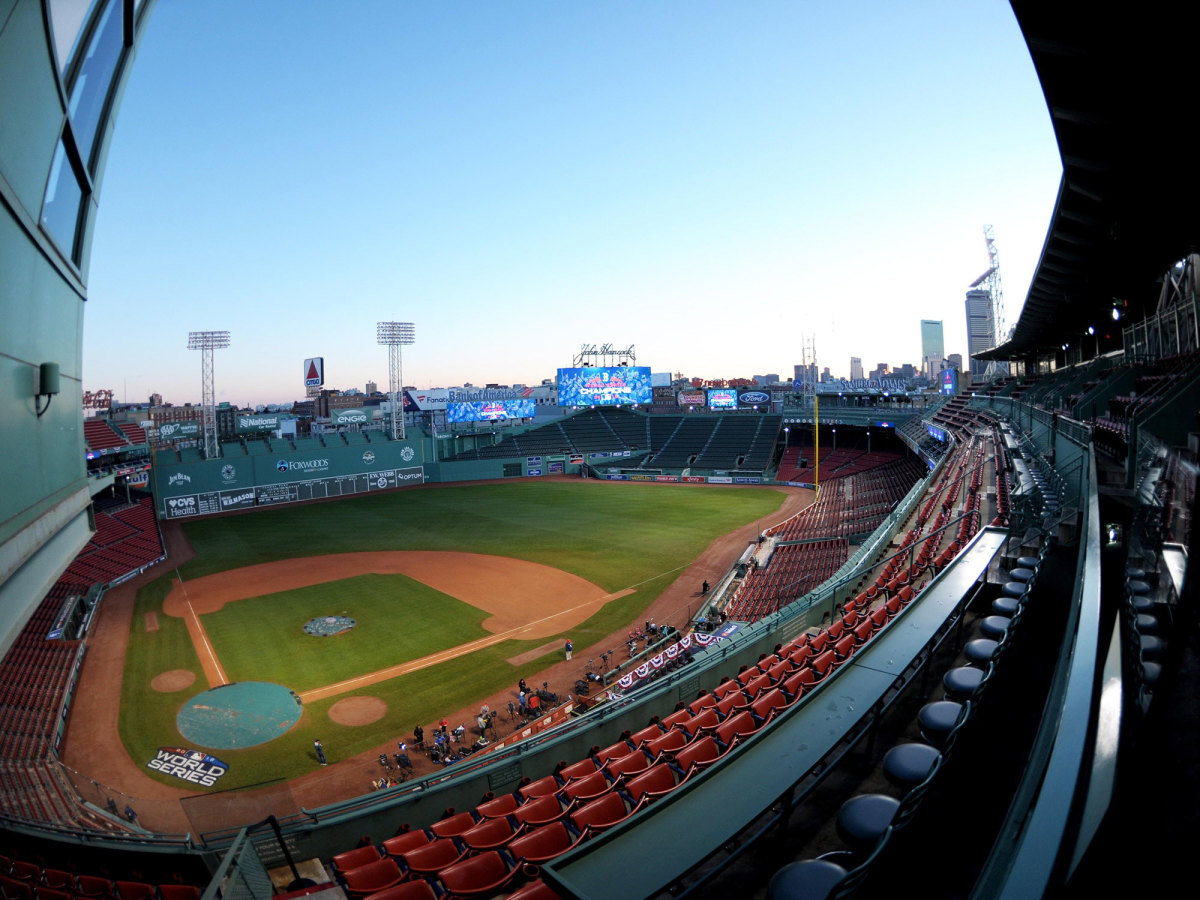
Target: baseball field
[{"x": 455, "y": 593}]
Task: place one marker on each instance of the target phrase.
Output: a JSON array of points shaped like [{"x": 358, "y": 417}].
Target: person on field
[
  {"x": 569, "y": 648},
  {"x": 320, "y": 748},
  {"x": 534, "y": 704}
]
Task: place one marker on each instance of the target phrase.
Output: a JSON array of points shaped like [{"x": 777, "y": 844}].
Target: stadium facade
[{"x": 63, "y": 67}]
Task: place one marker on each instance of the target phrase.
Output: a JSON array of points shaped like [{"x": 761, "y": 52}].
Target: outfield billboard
[
  {"x": 491, "y": 410},
  {"x": 691, "y": 398},
  {"x": 753, "y": 399},
  {"x": 177, "y": 431},
  {"x": 342, "y": 417},
  {"x": 252, "y": 423},
  {"x": 604, "y": 386}
]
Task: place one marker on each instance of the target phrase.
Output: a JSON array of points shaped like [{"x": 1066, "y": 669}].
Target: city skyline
[{"x": 707, "y": 184}]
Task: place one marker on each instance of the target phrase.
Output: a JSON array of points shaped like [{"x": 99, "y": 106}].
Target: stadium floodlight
[
  {"x": 206, "y": 342},
  {"x": 394, "y": 335}
]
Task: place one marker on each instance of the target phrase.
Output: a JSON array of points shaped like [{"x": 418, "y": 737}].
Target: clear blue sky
[{"x": 706, "y": 181}]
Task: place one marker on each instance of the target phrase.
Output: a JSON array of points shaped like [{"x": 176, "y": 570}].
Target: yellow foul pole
[{"x": 816, "y": 445}]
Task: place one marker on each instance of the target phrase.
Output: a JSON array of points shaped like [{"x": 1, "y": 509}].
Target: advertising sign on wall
[
  {"x": 350, "y": 416},
  {"x": 692, "y": 398},
  {"x": 251, "y": 423},
  {"x": 174, "y": 431}
]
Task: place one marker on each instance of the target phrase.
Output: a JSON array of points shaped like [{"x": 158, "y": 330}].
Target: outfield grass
[{"x": 617, "y": 535}]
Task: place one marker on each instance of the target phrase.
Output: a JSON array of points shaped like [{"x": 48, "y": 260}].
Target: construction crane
[{"x": 990, "y": 281}]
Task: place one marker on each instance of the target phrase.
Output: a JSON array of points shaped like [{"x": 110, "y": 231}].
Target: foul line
[
  {"x": 341, "y": 687},
  {"x": 197, "y": 630}
]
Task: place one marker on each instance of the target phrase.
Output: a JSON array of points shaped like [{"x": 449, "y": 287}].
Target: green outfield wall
[{"x": 207, "y": 487}]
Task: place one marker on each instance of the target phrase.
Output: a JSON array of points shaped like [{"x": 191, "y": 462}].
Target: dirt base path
[{"x": 93, "y": 745}]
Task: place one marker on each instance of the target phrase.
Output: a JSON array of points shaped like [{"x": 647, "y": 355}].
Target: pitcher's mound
[
  {"x": 358, "y": 710},
  {"x": 173, "y": 680}
]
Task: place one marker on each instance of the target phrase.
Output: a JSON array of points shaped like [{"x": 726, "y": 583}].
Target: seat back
[
  {"x": 352, "y": 859},
  {"x": 699, "y": 752},
  {"x": 545, "y": 785},
  {"x": 586, "y": 788},
  {"x": 757, "y": 686},
  {"x": 489, "y": 834},
  {"x": 670, "y": 741},
  {"x": 402, "y": 843},
  {"x": 845, "y": 646},
  {"x": 600, "y": 814},
  {"x": 767, "y": 703},
  {"x": 477, "y": 876},
  {"x": 614, "y": 751},
  {"x": 823, "y": 664},
  {"x": 630, "y": 765},
  {"x": 500, "y": 806},
  {"x": 741, "y": 725},
  {"x": 429, "y": 859},
  {"x": 377, "y": 875},
  {"x": 654, "y": 782},
  {"x": 541, "y": 844},
  {"x": 539, "y": 810},
  {"x": 453, "y": 825}
]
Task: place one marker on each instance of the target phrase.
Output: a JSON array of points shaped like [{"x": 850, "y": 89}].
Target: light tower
[
  {"x": 394, "y": 335},
  {"x": 206, "y": 342}
]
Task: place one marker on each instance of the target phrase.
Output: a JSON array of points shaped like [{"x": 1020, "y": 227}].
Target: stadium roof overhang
[{"x": 1118, "y": 89}]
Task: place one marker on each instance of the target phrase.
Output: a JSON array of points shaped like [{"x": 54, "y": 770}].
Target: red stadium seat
[
  {"x": 490, "y": 834},
  {"x": 427, "y": 861},
  {"x": 452, "y": 826},
  {"x": 539, "y": 811},
  {"x": 653, "y": 783},
  {"x": 545, "y": 786},
  {"x": 629, "y": 765},
  {"x": 500, "y": 806},
  {"x": 670, "y": 742},
  {"x": 402, "y": 843},
  {"x": 374, "y": 876},
  {"x": 478, "y": 876},
  {"x": 602, "y": 814},
  {"x": 579, "y": 769},
  {"x": 542, "y": 844},
  {"x": 352, "y": 859},
  {"x": 585, "y": 789}
]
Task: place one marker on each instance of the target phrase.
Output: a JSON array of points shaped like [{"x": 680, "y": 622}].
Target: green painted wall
[{"x": 43, "y": 489}]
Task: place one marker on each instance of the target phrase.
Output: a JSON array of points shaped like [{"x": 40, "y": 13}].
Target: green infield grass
[
  {"x": 398, "y": 619},
  {"x": 617, "y": 535}
]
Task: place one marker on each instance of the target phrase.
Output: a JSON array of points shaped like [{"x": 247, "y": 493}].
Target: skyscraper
[
  {"x": 856, "y": 370},
  {"x": 933, "y": 346},
  {"x": 981, "y": 329}
]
